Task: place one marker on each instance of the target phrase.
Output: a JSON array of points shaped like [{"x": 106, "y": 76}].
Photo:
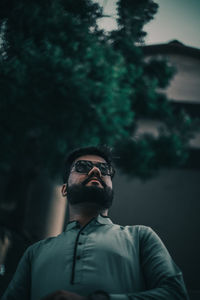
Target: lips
[{"x": 94, "y": 179}]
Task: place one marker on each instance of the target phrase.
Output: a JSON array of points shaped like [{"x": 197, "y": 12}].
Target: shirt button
[
  {"x": 82, "y": 233},
  {"x": 78, "y": 257},
  {"x": 80, "y": 243}
]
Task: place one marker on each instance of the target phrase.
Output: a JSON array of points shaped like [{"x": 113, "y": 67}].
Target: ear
[{"x": 64, "y": 190}]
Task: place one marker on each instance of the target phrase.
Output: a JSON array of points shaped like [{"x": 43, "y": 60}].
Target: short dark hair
[{"x": 103, "y": 151}]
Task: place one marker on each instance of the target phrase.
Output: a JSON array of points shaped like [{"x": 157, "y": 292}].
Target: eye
[
  {"x": 81, "y": 166},
  {"x": 104, "y": 169}
]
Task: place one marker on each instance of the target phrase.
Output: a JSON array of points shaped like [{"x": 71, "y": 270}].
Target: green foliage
[
  {"x": 143, "y": 156},
  {"x": 65, "y": 83},
  {"x": 132, "y": 16}
]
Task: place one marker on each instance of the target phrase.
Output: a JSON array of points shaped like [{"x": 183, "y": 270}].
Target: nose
[{"x": 95, "y": 171}]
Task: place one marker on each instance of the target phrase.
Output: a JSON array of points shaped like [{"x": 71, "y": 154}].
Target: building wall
[{"x": 185, "y": 86}]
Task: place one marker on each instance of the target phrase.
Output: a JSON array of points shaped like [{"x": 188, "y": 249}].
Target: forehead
[{"x": 91, "y": 157}]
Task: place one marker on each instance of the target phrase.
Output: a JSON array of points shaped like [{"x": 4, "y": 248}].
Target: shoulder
[
  {"x": 40, "y": 245},
  {"x": 140, "y": 230},
  {"x": 145, "y": 233},
  {"x": 146, "y": 239},
  {"x": 137, "y": 231},
  {"x": 142, "y": 233}
]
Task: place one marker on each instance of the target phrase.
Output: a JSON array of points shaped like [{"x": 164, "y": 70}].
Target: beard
[{"x": 81, "y": 194}]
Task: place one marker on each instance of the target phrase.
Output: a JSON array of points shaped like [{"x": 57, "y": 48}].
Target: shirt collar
[{"x": 104, "y": 220}]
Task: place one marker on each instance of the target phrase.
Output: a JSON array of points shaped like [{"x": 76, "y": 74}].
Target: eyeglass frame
[{"x": 95, "y": 164}]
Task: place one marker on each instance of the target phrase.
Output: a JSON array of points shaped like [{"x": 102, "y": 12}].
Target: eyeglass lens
[{"x": 84, "y": 166}]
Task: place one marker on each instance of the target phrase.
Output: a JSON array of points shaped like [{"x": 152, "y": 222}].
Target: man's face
[
  {"x": 90, "y": 187},
  {"x": 94, "y": 176}
]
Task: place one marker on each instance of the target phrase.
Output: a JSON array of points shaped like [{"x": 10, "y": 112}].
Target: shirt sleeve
[
  {"x": 163, "y": 278},
  {"x": 19, "y": 287}
]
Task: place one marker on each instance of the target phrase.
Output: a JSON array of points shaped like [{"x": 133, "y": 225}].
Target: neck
[{"x": 84, "y": 213}]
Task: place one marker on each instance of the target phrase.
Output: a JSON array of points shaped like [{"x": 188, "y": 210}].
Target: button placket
[
  {"x": 80, "y": 257},
  {"x": 77, "y": 261},
  {"x": 80, "y": 246}
]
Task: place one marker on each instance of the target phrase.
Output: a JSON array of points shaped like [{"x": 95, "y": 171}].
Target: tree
[{"x": 66, "y": 83}]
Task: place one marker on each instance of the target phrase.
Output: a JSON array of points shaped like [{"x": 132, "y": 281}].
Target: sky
[{"x": 175, "y": 20}]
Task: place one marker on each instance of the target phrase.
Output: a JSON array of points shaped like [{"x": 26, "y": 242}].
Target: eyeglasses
[{"x": 84, "y": 167}]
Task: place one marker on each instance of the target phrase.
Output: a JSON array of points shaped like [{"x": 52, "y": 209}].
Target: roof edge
[{"x": 172, "y": 47}]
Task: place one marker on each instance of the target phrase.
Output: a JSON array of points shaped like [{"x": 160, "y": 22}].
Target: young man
[{"x": 94, "y": 258}]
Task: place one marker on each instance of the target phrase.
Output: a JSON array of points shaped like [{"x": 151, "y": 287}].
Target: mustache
[{"x": 92, "y": 176}]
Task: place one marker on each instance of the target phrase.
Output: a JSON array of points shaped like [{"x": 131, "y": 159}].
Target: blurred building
[{"x": 170, "y": 203}]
